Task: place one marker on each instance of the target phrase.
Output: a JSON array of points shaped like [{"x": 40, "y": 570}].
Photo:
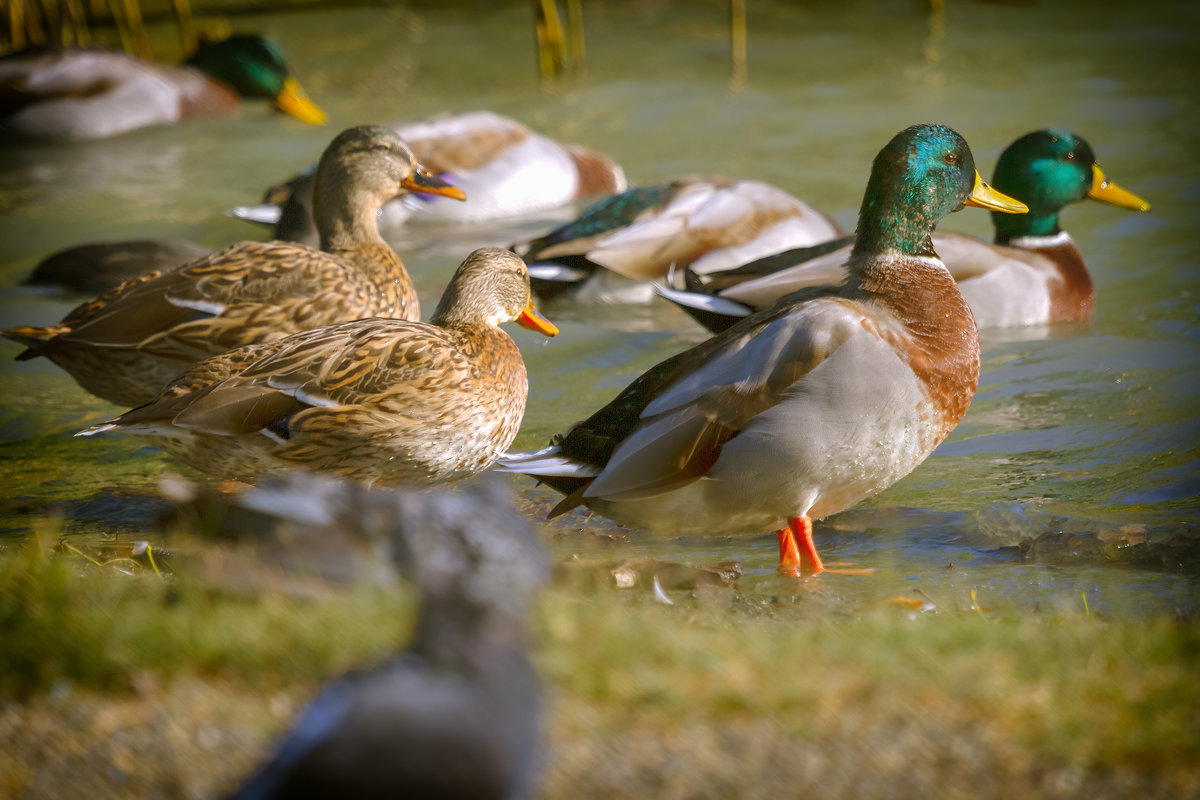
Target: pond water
[{"x": 1085, "y": 435}]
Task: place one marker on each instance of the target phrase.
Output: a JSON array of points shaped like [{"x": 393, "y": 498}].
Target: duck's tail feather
[
  {"x": 547, "y": 462},
  {"x": 713, "y": 312}
]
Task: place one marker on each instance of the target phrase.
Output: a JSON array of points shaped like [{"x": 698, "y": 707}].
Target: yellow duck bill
[
  {"x": 1106, "y": 191},
  {"x": 984, "y": 196},
  {"x": 292, "y": 100}
]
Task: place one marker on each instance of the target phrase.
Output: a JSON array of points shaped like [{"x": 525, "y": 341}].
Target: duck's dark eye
[
  {"x": 1071, "y": 156},
  {"x": 951, "y": 158},
  {"x": 383, "y": 148}
]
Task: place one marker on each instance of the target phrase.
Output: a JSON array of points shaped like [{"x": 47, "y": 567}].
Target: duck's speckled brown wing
[
  {"x": 388, "y": 365},
  {"x": 375, "y": 399},
  {"x": 248, "y": 292}
]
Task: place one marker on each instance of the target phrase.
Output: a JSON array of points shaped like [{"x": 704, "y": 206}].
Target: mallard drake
[
  {"x": 1032, "y": 275},
  {"x": 507, "y": 169},
  {"x": 125, "y": 345},
  {"x": 802, "y": 410},
  {"x": 375, "y": 400},
  {"x": 92, "y": 94},
  {"x": 617, "y": 246},
  {"x": 456, "y": 713}
]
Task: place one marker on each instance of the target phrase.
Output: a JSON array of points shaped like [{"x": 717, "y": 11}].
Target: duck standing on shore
[{"x": 802, "y": 410}]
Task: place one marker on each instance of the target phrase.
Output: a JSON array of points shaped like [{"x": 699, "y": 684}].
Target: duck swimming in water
[
  {"x": 1032, "y": 275},
  {"x": 79, "y": 94}
]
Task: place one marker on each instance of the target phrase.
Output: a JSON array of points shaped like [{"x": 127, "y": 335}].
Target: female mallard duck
[
  {"x": 455, "y": 715},
  {"x": 1032, "y": 275},
  {"x": 506, "y": 169},
  {"x": 128, "y": 343},
  {"x": 800, "y": 411},
  {"x": 616, "y": 247},
  {"x": 90, "y": 94},
  {"x": 376, "y": 400}
]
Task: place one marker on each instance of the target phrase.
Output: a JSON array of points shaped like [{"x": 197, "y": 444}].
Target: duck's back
[{"x": 90, "y": 94}]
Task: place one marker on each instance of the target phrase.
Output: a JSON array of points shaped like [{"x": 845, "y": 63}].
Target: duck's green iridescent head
[
  {"x": 253, "y": 67},
  {"x": 924, "y": 173},
  {"x": 1048, "y": 170}
]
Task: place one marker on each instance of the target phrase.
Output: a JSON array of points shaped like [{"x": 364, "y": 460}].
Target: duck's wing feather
[
  {"x": 182, "y": 314},
  {"x": 380, "y": 362},
  {"x": 667, "y": 428},
  {"x": 760, "y": 267},
  {"x": 613, "y": 213},
  {"x": 824, "y": 270}
]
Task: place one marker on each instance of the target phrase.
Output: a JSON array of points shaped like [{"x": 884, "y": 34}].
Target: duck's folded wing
[
  {"x": 177, "y": 314},
  {"x": 613, "y": 213},
  {"x": 715, "y": 391},
  {"x": 700, "y": 215},
  {"x": 825, "y": 270},
  {"x": 378, "y": 362},
  {"x": 250, "y": 389}
]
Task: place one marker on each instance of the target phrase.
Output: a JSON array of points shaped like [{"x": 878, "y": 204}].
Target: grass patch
[
  {"x": 722, "y": 695},
  {"x": 64, "y": 618},
  {"x": 1091, "y": 691}
]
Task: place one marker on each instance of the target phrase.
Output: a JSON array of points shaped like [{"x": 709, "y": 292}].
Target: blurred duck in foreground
[
  {"x": 79, "y": 94},
  {"x": 376, "y": 400},
  {"x": 800, "y": 411},
  {"x": 456, "y": 714},
  {"x": 125, "y": 345},
  {"x": 612, "y": 252},
  {"x": 1032, "y": 275},
  {"x": 505, "y": 168}
]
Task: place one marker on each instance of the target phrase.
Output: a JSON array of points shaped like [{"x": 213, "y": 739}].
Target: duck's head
[
  {"x": 1048, "y": 170},
  {"x": 924, "y": 173},
  {"x": 491, "y": 287},
  {"x": 363, "y": 168},
  {"x": 253, "y": 67}
]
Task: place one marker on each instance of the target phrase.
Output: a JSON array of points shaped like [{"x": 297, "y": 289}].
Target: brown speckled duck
[
  {"x": 125, "y": 345},
  {"x": 375, "y": 400}
]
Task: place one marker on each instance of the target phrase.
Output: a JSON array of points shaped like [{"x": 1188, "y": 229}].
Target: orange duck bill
[
  {"x": 532, "y": 319},
  {"x": 424, "y": 182}
]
